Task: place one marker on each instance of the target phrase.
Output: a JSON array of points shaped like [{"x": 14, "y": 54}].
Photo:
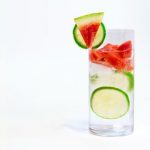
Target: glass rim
[{"x": 120, "y": 30}]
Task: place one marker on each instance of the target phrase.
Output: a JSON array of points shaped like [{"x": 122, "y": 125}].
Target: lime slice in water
[{"x": 109, "y": 102}]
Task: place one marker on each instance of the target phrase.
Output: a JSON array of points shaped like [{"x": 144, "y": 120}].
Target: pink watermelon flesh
[
  {"x": 115, "y": 56},
  {"x": 125, "y": 46},
  {"x": 125, "y": 49},
  {"x": 88, "y": 33}
]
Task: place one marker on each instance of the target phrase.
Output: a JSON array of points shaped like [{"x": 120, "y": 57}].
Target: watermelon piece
[
  {"x": 125, "y": 53},
  {"x": 115, "y": 61},
  {"x": 94, "y": 56},
  {"x": 125, "y": 50},
  {"x": 126, "y": 45},
  {"x": 98, "y": 57},
  {"x": 89, "y": 32},
  {"x": 118, "y": 57},
  {"x": 129, "y": 64},
  {"x": 88, "y": 26},
  {"x": 110, "y": 47}
]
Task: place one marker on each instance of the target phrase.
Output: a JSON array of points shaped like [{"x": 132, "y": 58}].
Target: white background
[{"x": 43, "y": 74}]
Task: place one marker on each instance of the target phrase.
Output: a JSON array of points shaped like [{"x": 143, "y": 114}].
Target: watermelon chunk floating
[
  {"x": 116, "y": 56},
  {"x": 88, "y": 26}
]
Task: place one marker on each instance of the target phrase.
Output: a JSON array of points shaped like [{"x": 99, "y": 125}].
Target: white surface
[{"x": 43, "y": 74}]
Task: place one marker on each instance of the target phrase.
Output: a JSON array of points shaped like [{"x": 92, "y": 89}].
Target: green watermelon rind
[{"x": 89, "y": 18}]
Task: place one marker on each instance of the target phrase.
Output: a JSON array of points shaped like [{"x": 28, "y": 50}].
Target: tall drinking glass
[{"x": 111, "y": 85}]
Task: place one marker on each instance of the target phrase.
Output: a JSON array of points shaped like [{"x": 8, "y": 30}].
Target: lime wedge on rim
[
  {"x": 89, "y": 30},
  {"x": 99, "y": 38}
]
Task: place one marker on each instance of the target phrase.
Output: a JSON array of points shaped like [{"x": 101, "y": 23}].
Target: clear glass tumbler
[{"x": 111, "y": 85}]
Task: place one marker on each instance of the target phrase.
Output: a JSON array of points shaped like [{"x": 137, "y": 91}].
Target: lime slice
[
  {"x": 130, "y": 77},
  {"x": 122, "y": 80},
  {"x": 98, "y": 40},
  {"x": 109, "y": 102}
]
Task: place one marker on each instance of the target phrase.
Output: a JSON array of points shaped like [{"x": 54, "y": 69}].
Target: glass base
[{"x": 111, "y": 131}]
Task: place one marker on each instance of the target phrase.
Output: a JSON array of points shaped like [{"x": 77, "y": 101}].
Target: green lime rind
[
  {"x": 130, "y": 77},
  {"x": 76, "y": 35},
  {"x": 110, "y": 88},
  {"x": 99, "y": 42},
  {"x": 99, "y": 38}
]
